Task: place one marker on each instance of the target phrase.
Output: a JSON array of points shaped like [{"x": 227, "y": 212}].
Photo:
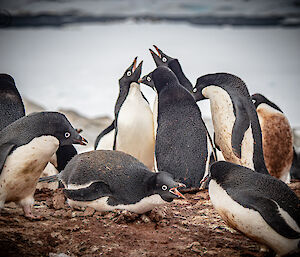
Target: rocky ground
[{"x": 189, "y": 227}]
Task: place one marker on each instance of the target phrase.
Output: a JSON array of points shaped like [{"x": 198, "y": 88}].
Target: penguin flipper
[
  {"x": 240, "y": 126},
  {"x": 93, "y": 192},
  {"x": 5, "y": 150},
  {"x": 269, "y": 210},
  {"x": 103, "y": 133}
]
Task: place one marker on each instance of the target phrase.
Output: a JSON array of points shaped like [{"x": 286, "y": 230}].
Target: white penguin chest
[
  {"x": 223, "y": 119},
  {"x": 24, "y": 166},
  {"x": 135, "y": 128},
  {"x": 146, "y": 204},
  {"x": 249, "y": 221}
]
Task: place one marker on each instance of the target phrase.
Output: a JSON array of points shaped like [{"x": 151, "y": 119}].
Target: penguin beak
[
  {"x": 175, "y": 191},
  {"x": 80, "y": 140},
  {"x": 158, "y": 51},
  {"x": 138, "y": 71},
  {"x": 134, "y": 64},
  {"x": 156, "y": 58}
]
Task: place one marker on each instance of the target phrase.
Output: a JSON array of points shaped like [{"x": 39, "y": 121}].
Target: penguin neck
[
  {"x": 134, "y": 90},
  {"x": 175, "y": 66}
]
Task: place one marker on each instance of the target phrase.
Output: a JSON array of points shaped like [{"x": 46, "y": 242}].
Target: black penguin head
[
  {"x": 163, "y": 76},
  {"x": 7, "y": 82},
  {"x": 160, "y": 59},
  {"x": 202, "y": 82},
  {"x": 57, "y": 125},
  {"x": 163, "y": 184},
  {"x": 258, "y": 99},
  {"x": 132, "y": 74},
  {"x": 147, "y": 80}
]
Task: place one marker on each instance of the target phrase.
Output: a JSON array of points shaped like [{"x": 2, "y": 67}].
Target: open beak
[
  {"x": 156, "y": 58},
  {"x": 134, "y": 64},
  {"x": 79, "y": 130},
  {"x": 158, "y": 50},
  {"x": 80, "y": 140},
  {"x": 138, "y": 71},
  {"x": 175, "y": 191}
]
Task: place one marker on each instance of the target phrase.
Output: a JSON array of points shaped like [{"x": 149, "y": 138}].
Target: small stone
[
  {"x": 157, "y": 215},
  {"x": 145, "y": 219},
  {"x": 88, "y": 212}
]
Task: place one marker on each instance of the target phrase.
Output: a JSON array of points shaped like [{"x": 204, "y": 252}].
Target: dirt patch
[{"x": 189, "y": 227}]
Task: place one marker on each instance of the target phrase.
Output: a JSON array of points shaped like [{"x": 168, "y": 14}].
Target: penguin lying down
[
  {"x": 26, "y": 147},
  {"x": 260, "y": 206},
  {"x": 107, "y": 180}
]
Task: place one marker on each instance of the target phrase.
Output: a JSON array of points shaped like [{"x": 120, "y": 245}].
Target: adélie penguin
[
  {"x": 277, "y": 137},
  {"x": 107, "y": 180},
  {"x": 133, "y": 124},
  {"x": 260, "y": 206},
  {"x": 26, "y": 146},
  {"x": 235, "y": 121},
  {"x": 161, "y": 59},
  {"x": 181, "y": 142},
  {"x": 11, "y": 104}
]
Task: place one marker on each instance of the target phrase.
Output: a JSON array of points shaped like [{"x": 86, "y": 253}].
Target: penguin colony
[{"x": 144, "y": 158}]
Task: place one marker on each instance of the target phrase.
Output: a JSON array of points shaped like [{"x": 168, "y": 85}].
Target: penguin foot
[{"x": 28, "y": 214}]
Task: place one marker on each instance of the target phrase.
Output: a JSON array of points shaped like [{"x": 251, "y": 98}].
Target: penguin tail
[
  {"x": 103, "y": 133},
  {"x": 48, "y": 179}
]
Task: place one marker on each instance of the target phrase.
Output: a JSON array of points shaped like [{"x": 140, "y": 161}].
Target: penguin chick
[
  {"x": 108, "y": 180},
  {"x": 260, "y": 206},
  {"x": 277, "y": 137},
  {"x": 26, "y": 147},
  {"x": 235, "y": 121}
]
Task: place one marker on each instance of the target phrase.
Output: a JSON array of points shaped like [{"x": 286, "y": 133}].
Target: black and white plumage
[
  {"x": 11, "y": 104},
  {"x": 161, "y": 59},
  {"x": 236, "y": 125},
  {"x": 181, "y": 142},
  {"x": 277, "y": 137},
  {"x": 258, "y": 205},
  {"x": 107, "y": 180},
  {"x": 133, "y": 124},
  {"x": 26, "y": 146}
]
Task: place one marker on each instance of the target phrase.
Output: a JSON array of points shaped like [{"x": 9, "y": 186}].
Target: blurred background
[{"x": 69, "y": 55}]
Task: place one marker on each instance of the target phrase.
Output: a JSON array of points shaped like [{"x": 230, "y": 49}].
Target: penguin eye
[
  {"x": 195, "y": 90},
  {"x": 67, "y": 134},
  {"x": 164, "y": 187},
  {"x": 148, "y": 79},
  {"x": 164, "y": 59},
  {"x": 253, "y": 101},
  {"x": 128, "y": 73}
]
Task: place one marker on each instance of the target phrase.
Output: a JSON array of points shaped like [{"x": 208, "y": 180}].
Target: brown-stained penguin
[{"x": 277, "y": 137}]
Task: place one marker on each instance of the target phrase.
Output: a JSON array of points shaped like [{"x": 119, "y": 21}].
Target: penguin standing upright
[
  {"x": 181, "y": 142},
  {"x": 258, "y": 205},
  {"x": 11, "y": 104},
  {"x": 236, "y": 125},
  {"x": 109, "y": 180},
  {"x": 277, "y": 137},
  {"x": 133, "y": 122},
  {"x": 26, "y": 146}
]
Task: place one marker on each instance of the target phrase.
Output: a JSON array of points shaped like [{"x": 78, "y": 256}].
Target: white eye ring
[
  {"x": 164, "y": 59},
  {"x": 128, "y": 73},
  {"x": 148, "y": 79},
  {"x": 67, "y": 134},
  {"x": 195, "y": 90},
  {"x": 253, "y": 101},
  {"x": 164, "y": 187}
]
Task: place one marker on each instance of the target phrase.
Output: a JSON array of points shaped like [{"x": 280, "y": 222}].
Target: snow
[{"x": 78, "y": 67}]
